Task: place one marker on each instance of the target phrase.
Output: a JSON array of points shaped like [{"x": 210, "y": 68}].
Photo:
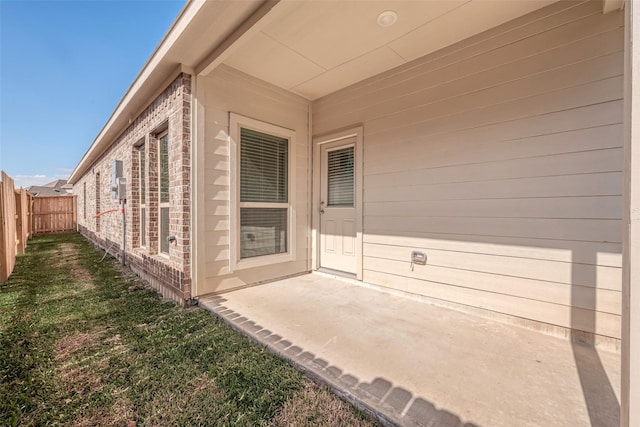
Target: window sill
[
  {"x": 261, "y": 261},
  {"x": 140, "y": 250}
]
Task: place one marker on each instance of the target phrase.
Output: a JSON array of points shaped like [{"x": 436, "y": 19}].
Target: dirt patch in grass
[
  {"x": 68, "y": 255},
  {"x": 65, "y": 255},
  {"x": 77, "y": 374},
  {"x": 83, "y": 277},
  {"x": 80, "y": 380},
  {"x": 120, "y": 414},
  {"x": 71, "y": 343},
  {"x": 201, "y": 391},
  {"x": 121, "y": 411},
  {"x": 83, "y": 358},
  {"x": 316, "y": 405}
]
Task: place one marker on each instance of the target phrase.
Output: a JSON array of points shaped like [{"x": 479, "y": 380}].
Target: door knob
[{"x": 321, "y": 210}]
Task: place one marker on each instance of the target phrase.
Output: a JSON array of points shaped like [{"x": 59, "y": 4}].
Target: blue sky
[{"x": 64, "y": 66}]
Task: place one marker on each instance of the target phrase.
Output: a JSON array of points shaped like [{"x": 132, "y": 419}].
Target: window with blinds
[
  {"x": 143, "y": 180},
  {"x": 143, "y": 196},
  {"x": 340, "y": 177},
  {"x": 264, "y": 199},
  {"x": 164, "y": 168},
  {"x": 263, "y": 167},
  {"x": 163, "y": 186}
]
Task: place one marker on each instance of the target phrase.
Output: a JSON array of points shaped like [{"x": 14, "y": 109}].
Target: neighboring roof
[
  {"x": 41, "y": 191},
  {"x": 59, "y": 187},
  {"x": 58, "y": 183}
]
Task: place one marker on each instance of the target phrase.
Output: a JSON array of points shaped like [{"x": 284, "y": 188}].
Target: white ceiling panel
[
  {"x": 349, "y": 73},
  {"x": 317, "y": 47},
  {"x": 463, "y": 22},
  {"x": 332, "y": 33},
  {"x": 273, "y": 62}
]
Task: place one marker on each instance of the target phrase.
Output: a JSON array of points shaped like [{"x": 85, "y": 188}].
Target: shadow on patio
[{"x": 388, "y": 402}]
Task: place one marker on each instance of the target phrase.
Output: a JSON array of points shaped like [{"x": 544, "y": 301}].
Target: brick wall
[{"x": 170, "y": 111}]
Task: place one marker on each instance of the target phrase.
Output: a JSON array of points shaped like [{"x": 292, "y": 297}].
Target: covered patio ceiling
[
  {"x": 318, "y": 47},
  {"x": 311, "y": 48}
]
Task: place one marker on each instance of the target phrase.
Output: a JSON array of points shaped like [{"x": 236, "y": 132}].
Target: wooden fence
[
  {"x": 23, "y": 216},
  {"x": 24, "y": 219},
  {"x": 54, "y": 214},
  {"x": 7, "y": 227}
]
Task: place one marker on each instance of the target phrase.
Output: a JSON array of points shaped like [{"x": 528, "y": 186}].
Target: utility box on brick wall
[
  {"x": 121, "y": 194},
  {"x": 116, "y": 172}
]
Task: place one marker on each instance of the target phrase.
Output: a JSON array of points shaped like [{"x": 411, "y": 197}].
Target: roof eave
[
  {"x": 230, "y": 20},
  {"x": 145, "y": 82}
]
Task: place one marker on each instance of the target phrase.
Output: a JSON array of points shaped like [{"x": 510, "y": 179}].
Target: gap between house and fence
[{"x": 23, "y": 216}]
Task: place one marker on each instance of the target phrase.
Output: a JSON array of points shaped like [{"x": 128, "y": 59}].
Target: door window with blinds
[
  {"x": 262, "y": 192},
  {"x": 340, "y": 178}
]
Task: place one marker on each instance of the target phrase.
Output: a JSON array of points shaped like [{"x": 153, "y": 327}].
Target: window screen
[
  {"x": 164, "y": 230},
  {"x": 340, "y": 177},
  {"x": 263, "y": 231}
]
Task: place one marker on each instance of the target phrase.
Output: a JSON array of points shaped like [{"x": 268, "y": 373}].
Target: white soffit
[{"x": 317, "y": 47}]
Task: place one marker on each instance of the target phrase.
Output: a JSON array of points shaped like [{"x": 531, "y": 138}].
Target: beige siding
[
  {"x": 229, "y": 91},
  {"x": 500, "y": 157}
]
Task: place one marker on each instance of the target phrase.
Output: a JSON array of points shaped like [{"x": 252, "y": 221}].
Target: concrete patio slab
[{"x": 419, "y": 364}]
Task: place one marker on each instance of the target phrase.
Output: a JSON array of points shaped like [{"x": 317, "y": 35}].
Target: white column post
[
  {"x": 630, "y": 384},
  {"x": 197, "y": 184}
]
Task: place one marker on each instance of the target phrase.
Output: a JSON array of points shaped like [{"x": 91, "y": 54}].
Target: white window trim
[{"x": 236, "y": 122}]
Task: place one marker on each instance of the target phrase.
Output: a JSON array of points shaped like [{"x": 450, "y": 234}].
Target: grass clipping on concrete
[{"x": 83, "y": 343}]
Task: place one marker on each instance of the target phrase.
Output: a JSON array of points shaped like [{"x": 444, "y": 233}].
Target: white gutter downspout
[
  {"x": 310, "y": 195},
  {"x": 630, "y": 379}
]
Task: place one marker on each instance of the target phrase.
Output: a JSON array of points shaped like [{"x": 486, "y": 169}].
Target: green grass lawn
[{"x": 82, "y": 342}]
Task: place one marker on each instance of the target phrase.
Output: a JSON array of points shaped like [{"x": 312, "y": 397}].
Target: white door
[{"x": 337, "y": 206}]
